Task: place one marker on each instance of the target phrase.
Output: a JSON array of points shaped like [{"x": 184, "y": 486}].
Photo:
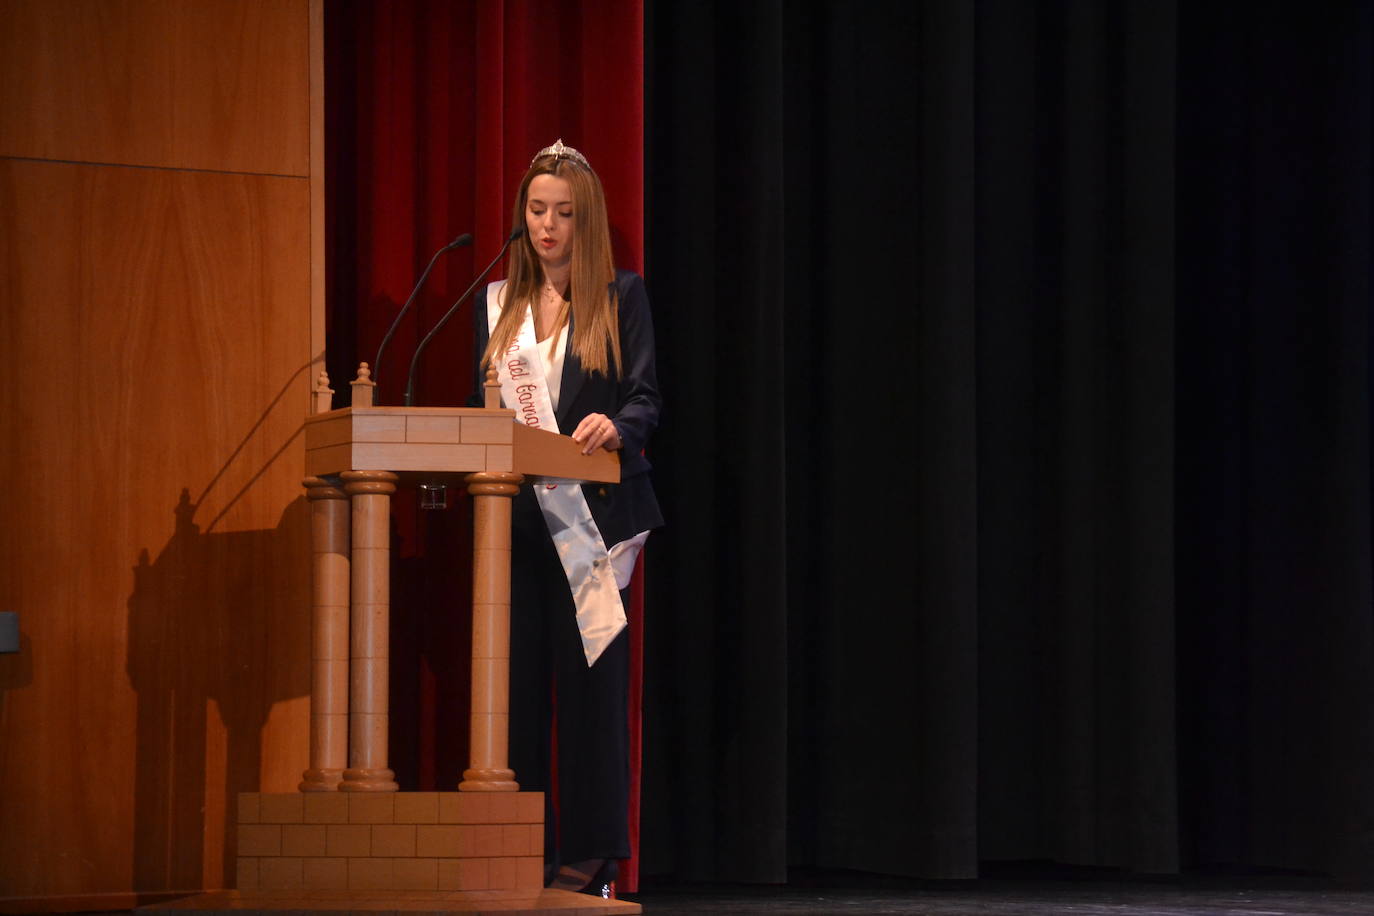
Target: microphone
[
  {"x": 461, "y": 241},
  {"x": 415, "y": 360}
]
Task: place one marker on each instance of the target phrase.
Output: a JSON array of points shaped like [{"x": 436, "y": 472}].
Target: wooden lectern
[
  {"x": 356, "y": 456},
  {"x": 348, "y": 829}
]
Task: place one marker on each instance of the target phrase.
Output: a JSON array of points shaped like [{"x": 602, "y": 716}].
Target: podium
[{"x": 348, "y": 830}]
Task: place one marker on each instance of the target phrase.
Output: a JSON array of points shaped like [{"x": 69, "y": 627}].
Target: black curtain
[
  {"x": 1274, "y": 351},
  {"x": 1016, "y": 447}
]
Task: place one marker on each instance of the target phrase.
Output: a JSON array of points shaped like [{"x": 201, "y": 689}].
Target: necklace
[{"x": 550, "y": 300}]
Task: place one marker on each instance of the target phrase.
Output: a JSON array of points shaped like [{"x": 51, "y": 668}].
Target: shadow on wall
[
  {"x": 218, "y": 632},
  {"x": 16, "y": 673},
  {"x": 214, "y": 622}
]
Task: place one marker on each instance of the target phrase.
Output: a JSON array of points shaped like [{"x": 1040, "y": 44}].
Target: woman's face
[{"x": 549, "y": 220}]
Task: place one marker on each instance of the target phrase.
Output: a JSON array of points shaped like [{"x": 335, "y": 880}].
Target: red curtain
[{"x": 434, "y": 109}]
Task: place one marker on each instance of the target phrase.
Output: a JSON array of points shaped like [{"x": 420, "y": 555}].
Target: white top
[{"x": 551, "y": 351}]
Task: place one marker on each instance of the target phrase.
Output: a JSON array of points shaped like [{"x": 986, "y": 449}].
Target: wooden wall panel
[
  {"x": 153, "y": 378},
  {"x": 155, "y": 342},
  {"x": 193, "y": 84}
]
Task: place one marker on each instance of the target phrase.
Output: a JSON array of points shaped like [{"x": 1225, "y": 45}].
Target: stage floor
[
  {"x": 860, "y": 895},
  {"x": 1236, "y": 897}
]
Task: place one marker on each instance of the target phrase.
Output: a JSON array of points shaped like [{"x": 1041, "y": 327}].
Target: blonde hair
[{"x": 596, "y": 329}]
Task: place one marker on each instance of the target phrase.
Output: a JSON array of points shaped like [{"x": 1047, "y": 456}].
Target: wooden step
[{"x": 411, "y": 903}]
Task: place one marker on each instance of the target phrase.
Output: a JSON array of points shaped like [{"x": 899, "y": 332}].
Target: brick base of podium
[
  {"x": 419, "y": 841},
  {"x": 391, "y": 854}
]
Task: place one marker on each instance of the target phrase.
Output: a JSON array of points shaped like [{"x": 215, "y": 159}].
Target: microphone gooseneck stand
[{"x": 415, "y": 360}]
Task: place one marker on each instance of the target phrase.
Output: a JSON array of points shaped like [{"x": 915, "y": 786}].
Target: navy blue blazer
[{"x": 630, "y": 398}]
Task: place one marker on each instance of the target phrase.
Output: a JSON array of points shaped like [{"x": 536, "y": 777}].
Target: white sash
[{"x": 595, "y": 575}]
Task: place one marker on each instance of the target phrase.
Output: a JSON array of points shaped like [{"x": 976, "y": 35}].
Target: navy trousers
[{"x": 551, "y": 685}]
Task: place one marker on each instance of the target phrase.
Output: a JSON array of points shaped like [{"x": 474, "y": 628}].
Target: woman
[{"x": 573, "y": 344}]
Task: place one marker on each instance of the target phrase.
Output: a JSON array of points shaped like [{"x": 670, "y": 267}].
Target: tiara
[{"x": 559, "y": 151}]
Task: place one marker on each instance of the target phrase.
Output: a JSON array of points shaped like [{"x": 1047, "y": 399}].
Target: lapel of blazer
[{"x": 571, "y": 383}]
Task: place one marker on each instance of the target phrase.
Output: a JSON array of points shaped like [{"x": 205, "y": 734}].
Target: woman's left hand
[{"x": 596, "y": 431}]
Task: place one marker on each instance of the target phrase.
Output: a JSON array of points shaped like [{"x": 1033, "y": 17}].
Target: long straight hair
[{"x": 596, "y": 328}]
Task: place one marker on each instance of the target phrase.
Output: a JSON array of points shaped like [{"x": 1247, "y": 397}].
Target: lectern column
[
  {"x": 370, "y": 644},
  {"x": 489, "y": 734},
  {"x": 329, "y": 635}
]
